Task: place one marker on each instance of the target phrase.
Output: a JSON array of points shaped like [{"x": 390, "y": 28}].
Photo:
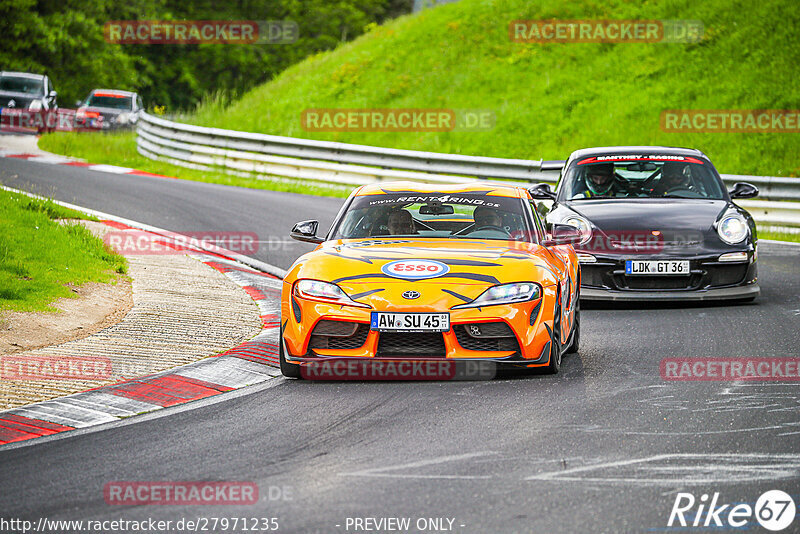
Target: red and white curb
[
  {"x": 249, "y": 363},
  {"x": 54, "y": 159}
]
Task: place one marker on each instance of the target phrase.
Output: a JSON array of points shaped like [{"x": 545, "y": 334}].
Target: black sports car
[{"x": 657, "y": 224}]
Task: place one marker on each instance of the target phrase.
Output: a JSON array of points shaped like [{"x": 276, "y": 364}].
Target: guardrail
[
  {"x": 337, "y": 163},
  {"x": 346, "y": 165}
]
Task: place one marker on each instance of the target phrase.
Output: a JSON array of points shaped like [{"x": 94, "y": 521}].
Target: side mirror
[
  {"x": 542, "y": 192},
  {"x": 77, "y": 103},
  {"x": 563, "y": 234},
  {"x": 52, "y": 94},
  {"x": 743, "y": 190},
  {"x": 306, "y": 231}
]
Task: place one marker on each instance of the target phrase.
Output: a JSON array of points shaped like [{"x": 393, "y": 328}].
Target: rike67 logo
[{"x": 774, "y": 510}]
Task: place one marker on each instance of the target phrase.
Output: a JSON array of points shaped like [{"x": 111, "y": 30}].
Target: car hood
[
  {"x": 682, "y": 225},
  {"x": 651, "y": 214},
  {"x": 472, "y": 266}
]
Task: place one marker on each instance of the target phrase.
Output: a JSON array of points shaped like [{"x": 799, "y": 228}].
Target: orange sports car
[{"x": 430, "y": 273}]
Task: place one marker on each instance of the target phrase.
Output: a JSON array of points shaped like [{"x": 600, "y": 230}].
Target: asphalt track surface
[{"x": 604, "y": 446}]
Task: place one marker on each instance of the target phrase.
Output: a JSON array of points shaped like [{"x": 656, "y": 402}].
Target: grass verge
[
  {"x": 548, "y": 98},
  {"x": 40, "y": 258},
  {"x": 120, "y": 149},
  {"x": 779, "y": 236}
]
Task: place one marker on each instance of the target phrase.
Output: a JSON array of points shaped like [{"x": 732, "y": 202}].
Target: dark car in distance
[
  {"x": 27, "y": 92},
  {"x": 657, "y": 223},
  {"x": 23, "y": 90},
  {"x": 109, "y": 109}
]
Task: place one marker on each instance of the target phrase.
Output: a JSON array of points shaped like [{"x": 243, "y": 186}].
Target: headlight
[
  {"x": 583, "y": 225},
  {"x": 36, "y": 105},
  {"x": 505, "y": 294},
  {"x": 324, "y": 292},
  {"x": 123, "y": 118},
  {"x": 732, "y": 228}
]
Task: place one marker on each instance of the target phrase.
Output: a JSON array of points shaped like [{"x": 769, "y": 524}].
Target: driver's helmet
[
  {"x": 674, "y": 174},
  {"x": 600, "y": 178},
  {"x": 485, "y": 216}
]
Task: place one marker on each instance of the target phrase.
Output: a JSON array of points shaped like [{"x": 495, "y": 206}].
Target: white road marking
[
  {"x": 110, "y": 168},
  {"x": 381, "y": 471},
  {"x": 695, "y": 469}
]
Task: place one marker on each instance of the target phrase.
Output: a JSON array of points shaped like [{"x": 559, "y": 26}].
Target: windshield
[
  {"x": 21, "y": 84},
  {"x": 434, "y": 215},
  {"x": 109, "y": 101},
  {"x": 640, "y": 177}
]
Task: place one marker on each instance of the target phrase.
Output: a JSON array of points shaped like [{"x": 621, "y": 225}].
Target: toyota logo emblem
[{"x": 411, "y": 295}]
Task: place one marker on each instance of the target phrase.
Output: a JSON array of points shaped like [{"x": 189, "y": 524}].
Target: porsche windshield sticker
[{"x": 639, "y": 157}]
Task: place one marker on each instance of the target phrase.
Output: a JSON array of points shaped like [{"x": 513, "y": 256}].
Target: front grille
[
  {"x": 335, "y": 328},
  {"x": 338, "y": 335},
  {"x": 428, "y": 344},
  {"x": 592, "y": 276},
  {"x": 658, "y": 282},
  {"x": 703, "y": 275},
  {"x": 488, "y": 336},
  {"x": 725, "y": 275}
]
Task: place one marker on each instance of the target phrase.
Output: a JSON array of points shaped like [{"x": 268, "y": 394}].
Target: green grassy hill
[{"x": 550, "y": 99}]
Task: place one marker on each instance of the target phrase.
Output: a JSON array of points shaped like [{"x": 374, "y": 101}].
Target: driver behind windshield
[
  {"x": 673, "y": 178},
  {"x": 486, "y": 217},
  {"x": 600, "y": 181},
  {"x": 401, "y": 223}
]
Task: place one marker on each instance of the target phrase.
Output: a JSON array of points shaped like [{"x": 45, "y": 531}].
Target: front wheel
[
  {"x": 574, "y": 346},
  {"x": 289, "y": 370},
  {"x": 555, "y": 345}
]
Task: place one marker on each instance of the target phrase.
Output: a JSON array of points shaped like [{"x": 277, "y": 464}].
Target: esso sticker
[{"x": 415, "y": 269}]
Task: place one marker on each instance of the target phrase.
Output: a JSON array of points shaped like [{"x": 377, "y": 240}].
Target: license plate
[
  {"x": 657, "y": 267},
  {"x": 410, "y": 322}
]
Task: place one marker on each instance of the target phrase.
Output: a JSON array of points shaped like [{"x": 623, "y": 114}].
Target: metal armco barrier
[{"x": 270, "y": 156}]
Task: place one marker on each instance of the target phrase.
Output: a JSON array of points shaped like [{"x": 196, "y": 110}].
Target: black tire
[
  {"x": 555, "y": 346},
  {"x": 574, "y": 345},
  {"x": 289, "y": 370}
]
